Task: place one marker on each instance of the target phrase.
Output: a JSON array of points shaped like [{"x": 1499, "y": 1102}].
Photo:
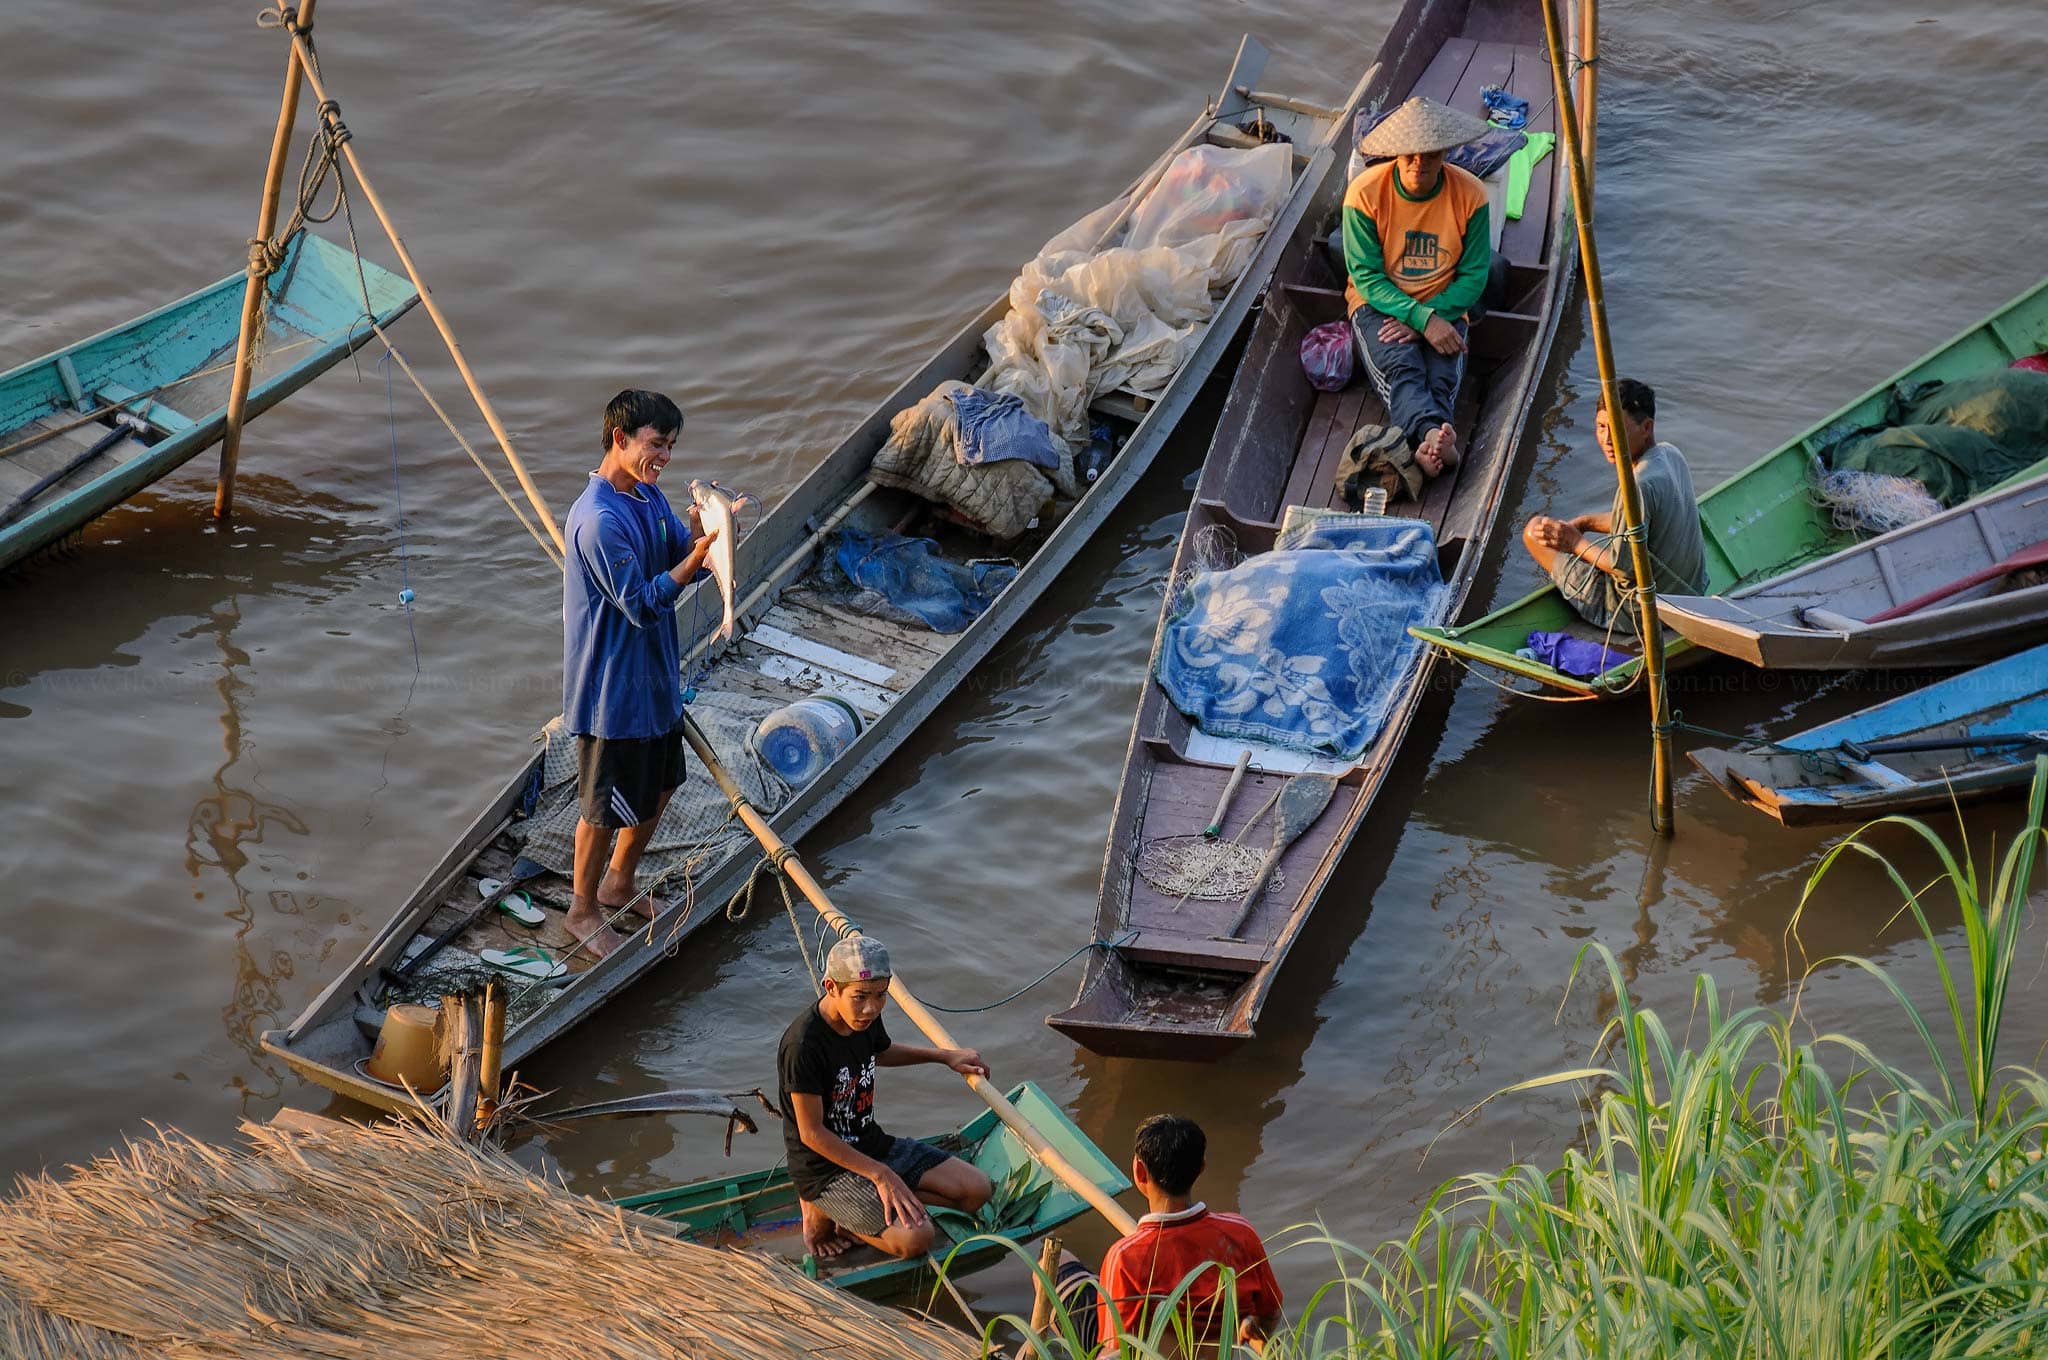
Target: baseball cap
[{"x": 857, "y": 958}]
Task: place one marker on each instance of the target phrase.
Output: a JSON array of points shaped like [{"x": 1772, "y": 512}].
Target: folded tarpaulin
[
  {"x": 1305, "y": 647},
  {"x": 1957, "y": 439}
]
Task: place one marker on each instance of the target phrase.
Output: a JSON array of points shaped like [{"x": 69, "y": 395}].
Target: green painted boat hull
[
  {"x": 1764, "y": 520},
  {"x": 316, "y": 317},
  {"x": 741, "y": 1210}
]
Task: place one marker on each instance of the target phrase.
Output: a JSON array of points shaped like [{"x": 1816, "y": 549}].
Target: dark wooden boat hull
[
  {"x": 334, "y": 1034},
  {"x": 1177, "y": 991}
]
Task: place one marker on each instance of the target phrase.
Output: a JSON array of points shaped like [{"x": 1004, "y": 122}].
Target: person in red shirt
[{"x": 1181, "y": 1237}]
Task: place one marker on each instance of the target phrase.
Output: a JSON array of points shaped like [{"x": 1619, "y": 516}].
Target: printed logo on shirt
[
  {"x": 1421, "y": 255},
  {"x": 853, "y": 1101}
]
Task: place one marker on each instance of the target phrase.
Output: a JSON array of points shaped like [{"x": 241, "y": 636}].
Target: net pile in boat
[
  {"x": 386, "y": 1241},
  {"x": 1874, "y": 502},
  {"x": 1195, "y": 866},
  {"x": 698, "y": 829}
]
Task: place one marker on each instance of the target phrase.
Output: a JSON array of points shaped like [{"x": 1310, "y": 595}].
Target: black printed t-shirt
[{"x": 839, "y": 1069}]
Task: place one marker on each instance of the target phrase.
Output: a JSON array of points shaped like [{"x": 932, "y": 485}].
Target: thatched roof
[{"x": 390, "y": 1241}]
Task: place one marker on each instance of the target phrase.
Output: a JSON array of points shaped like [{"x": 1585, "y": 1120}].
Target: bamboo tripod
[
  {"x": 1571, "y": 131},
  {"x": 300, "y": 67}
]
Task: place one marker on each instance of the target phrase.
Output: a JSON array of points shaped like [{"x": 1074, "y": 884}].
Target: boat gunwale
[
  {"x": 1618, "y": 680},
  {"x": 829, "y": 483},
  {"x": 86, "y": 501},
  {"x": 1377, "y": 764}
]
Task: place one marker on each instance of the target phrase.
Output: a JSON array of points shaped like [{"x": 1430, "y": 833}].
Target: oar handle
[
  {"x": 1215, "y": 826},
  {"x": 786, "y": 860}
]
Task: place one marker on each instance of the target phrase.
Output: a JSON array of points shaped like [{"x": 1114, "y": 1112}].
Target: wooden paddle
[
  {"x": 1301, "y": 802},
  {"x": 2035, "y": 555},
  {"x": 1215, "y": 826}
]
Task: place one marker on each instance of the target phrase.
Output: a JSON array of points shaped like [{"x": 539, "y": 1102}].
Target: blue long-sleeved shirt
[{"x": 621, "y": 659}]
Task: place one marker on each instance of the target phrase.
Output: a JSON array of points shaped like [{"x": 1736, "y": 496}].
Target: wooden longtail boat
[
  {"x": 1172, "y": 988},
  {"x": 757, "y": 1211},
  {"x": 1967, "y": 737},
  {"x": 793, "y": 641},
  {"x": 1962, "y": 586},
  {"x": 1762, "y": 522},
  {"x": 83, "y": 429}
]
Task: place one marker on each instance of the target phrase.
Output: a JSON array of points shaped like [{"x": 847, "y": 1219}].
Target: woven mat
[{"x": 698, "y": 830}]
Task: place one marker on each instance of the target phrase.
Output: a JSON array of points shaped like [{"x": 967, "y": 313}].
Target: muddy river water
[{"x": 222, "y": 770}]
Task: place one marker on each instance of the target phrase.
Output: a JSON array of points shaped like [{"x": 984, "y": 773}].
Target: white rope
[{"x": 546, "y": 544}]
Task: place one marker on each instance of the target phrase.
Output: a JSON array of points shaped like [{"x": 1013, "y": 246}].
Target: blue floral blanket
[{"x": 1305, "y": 647}]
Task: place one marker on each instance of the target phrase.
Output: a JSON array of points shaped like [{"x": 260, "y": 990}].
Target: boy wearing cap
[
  {"x": 850, "y": 1175},
  {"x": 1417, "y": 253}
]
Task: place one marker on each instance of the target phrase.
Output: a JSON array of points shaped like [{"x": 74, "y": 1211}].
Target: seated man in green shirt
[{"x": 1585, "y": 555}]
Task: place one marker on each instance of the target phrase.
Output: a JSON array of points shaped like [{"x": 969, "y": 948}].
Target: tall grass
[{"x": 1759, "y": 1191}]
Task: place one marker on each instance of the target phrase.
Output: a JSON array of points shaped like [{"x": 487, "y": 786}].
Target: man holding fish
[{"x": 629, "y": 558}]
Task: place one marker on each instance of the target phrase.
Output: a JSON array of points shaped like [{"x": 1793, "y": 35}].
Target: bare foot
[
  {"x": 589, "y": 931},
  {"x": 647, "y": 908},
  {"x": 1426, "y": 452},
  {"x": 822, "y": 1237},
  {"x": 1447, "y": 445}
]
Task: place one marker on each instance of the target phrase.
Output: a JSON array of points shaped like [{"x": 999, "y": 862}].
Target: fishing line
[{"x": 405, "y": 594}]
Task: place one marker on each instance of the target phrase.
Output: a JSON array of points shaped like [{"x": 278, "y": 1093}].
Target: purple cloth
[{"x": 1573, "y": 655}]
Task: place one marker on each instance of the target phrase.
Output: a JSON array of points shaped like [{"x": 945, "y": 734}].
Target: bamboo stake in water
[
  {"x": 1624, "y": 468},
  {"x": 1589, "y": 88},
  {"x": 1047, "y": 1155},
  {"x": 433, "y": 308},
  {"x": 254, "y": 292}
]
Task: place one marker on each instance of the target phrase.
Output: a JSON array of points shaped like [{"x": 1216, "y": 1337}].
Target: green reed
[{"x": 1733, "y": 1195}]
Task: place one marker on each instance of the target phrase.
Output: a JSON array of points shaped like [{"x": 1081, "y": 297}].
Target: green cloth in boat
[
  {"x": 1958, "y": 439},
  {"x": 695, "y": 835}
]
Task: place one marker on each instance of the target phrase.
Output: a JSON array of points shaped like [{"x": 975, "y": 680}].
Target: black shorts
[
  {"x": 853, "y": 1202},
  {"x": 620, "y": 780}
]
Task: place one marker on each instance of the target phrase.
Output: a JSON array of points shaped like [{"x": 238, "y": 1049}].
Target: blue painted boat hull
[
  {"x": 316, "y": 316},
  {"x": 1809, "y": 779}
]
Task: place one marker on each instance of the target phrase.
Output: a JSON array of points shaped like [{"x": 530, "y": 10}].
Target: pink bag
[
  {"x": 2037, "y": 362},
  {"x": 1326, "y": 356}
]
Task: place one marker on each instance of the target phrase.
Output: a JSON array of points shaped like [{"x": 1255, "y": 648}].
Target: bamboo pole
[
  {"x": 255, "y": 290},
  {"x": 1624, "y": 469},
  {"x": 491, "y": 1065},
  {"x": 463, "y": 1016},
  {"x": 304, "y": 62},
  {"x": 1042, "y": 1293},
  {"x": 1047, "y": 1155},
  {"x": 1589, "y": 88}
]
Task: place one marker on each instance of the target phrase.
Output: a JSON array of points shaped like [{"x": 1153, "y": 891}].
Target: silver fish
[{"x": 715, "y": 511}]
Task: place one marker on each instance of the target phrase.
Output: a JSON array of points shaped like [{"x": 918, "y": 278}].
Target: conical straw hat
[{"x": 1418, "y": 126}]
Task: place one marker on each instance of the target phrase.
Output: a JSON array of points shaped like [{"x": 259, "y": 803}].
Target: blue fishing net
[{"x": 907, "y": 580}]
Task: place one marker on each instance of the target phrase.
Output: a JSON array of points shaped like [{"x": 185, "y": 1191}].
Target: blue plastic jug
[{"x": 798, "y": 741}]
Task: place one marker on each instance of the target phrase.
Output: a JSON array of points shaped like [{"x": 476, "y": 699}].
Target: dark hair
[
  {"x": 1638, "y": 402},
  {"x": 636, "y": 407},
  {"x": 1172, "y": 1147}
]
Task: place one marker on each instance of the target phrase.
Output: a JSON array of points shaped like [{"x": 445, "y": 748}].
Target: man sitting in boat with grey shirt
[{"x": 1585, "y": 555}]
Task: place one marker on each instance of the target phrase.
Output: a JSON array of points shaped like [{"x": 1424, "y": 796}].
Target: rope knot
[
  {"x": 781, "y": 857},
  {"x": 265, "y": 256},
  {"x": 285, "y": 17},
  {"x": 337, "y": 131}
]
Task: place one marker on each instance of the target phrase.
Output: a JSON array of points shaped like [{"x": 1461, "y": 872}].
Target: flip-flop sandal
[
  {"x": 515, "y": 904},
  {"x": 526, "y": 961}
]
